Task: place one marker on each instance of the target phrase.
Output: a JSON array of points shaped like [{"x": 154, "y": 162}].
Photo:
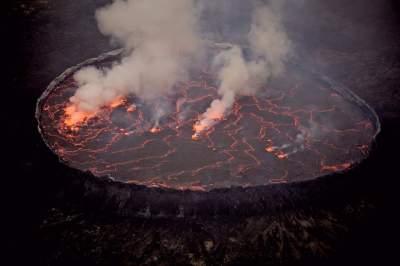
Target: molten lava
[
  {"x": 298, "y": 128},
  {"x": 117, "y": 102},
  {"x": 155, "y": 130},
  {"x": 199, "y": 128},
  {"x": 73, "y": 117}
]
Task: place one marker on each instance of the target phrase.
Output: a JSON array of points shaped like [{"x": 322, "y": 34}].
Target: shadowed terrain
[{"x": 60, "y": 216}]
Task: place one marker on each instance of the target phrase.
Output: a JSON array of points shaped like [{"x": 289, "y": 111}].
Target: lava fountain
[{"x": 299, "y": 127}]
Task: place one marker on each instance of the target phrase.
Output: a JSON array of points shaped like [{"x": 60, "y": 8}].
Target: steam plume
[
  {"x": 161, "y": 41},
  {"x": 269, "y": 48},
  {"x": 159, "y": 38}
]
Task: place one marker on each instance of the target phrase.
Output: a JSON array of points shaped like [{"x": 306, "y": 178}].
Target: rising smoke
[
  {"x": 162, "y": 40},
  {"x": 269, "y": 48}
]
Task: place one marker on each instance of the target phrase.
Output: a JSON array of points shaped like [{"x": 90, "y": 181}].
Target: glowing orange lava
[
  {"x": 73, "y": 117},
  {"x": 131, "y": 109},
  {"x": 281, "y": 136},
  {"x": 155, "y": 130},
  {"x": 200, "y": 128},
  {"x": 117, "y": 102}
]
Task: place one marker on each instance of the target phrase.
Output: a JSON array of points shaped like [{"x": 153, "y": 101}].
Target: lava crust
[{"x": 299, "y": 127}]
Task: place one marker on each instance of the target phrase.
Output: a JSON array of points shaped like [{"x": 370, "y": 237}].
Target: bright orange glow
[
  {"x": 131, "y": 109},
  {"x": 278, "y": 153},
  {"x": 281, "y": 156},
  {"x": 216, "y": 117},
  {"x": 117, "y": 102},
  {"x": 195, "y": 137},
  {"x": 336, "y": 167},
  {"x": 155, "y": 130},
  {"x": 199, "y": 128},
  {"x": 270, "y": 149},
  {"x": 74, "y": 117}
]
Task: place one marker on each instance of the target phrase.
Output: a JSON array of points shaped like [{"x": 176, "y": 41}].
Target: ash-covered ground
[{"x": 58, "y": 216}]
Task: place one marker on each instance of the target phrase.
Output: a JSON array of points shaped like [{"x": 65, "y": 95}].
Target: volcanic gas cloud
[
  {"x": 162, "y": 42},
  {"x": 172, "y": 109}
]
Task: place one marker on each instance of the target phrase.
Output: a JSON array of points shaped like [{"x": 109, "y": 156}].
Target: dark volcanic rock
[{"x": 59, "y": 216}]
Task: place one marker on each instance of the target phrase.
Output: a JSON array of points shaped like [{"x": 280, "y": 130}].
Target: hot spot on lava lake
[{"x": 297, "y": 128}]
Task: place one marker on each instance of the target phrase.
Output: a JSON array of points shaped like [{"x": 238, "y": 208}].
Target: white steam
[
  {"x": 161, "y": 42},
  {"x": 269, "y": 48},
  {"x": 159, "y": 37}
]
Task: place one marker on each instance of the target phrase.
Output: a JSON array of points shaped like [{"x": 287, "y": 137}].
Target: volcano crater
[{"x": 299, "y": 126}]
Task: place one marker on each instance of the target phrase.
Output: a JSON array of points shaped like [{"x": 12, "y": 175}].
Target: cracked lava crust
[{"x": 297, "y": 128}]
